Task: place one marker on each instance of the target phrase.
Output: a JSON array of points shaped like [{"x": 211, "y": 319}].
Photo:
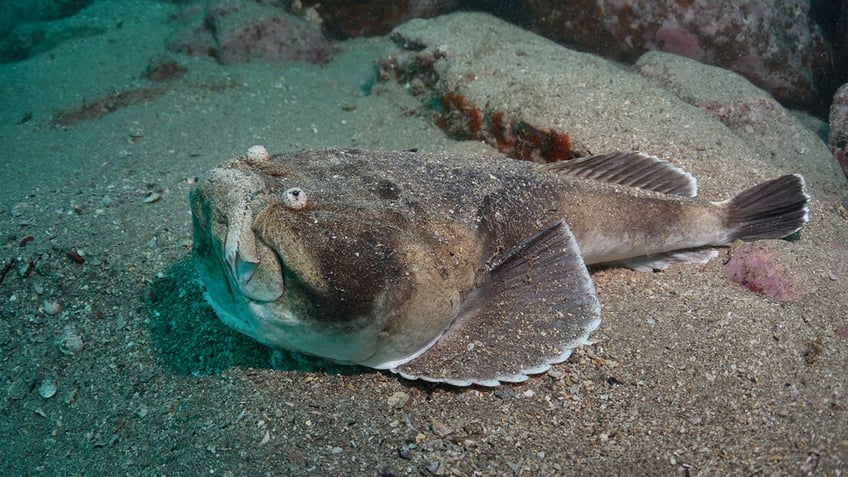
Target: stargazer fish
[{"x": 448, "y": 268}]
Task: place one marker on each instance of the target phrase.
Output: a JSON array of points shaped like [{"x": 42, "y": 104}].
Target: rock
[
  {"x": 398, "y": 399},
  {"x": 528, "y": 83},
  {"x": 440, "y": 429},
  {"x": 47, "y": 389},
  {"x": 838, "y": 137},
  {"x": 17, "y": 389},
  {"x": 14, "y": 13},
  {"x": 69, "y": 342},
  {"x": 239, "y": 32},
  {"x": 753, "y": 116},
  {"x": 247, "y": 31},
  {"x": 30, "y": 38},
  {"x": 193, "y": 35},
  {"x": 51, "y": 307},
  {"x": 778, "y": 48},
  {"x": 345, "y": 19}
]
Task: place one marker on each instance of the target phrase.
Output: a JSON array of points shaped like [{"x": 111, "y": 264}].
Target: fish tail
[{"x": 773, "y": 209}]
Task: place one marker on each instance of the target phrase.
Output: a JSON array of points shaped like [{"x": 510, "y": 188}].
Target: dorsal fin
[{"x": 632, "y": 169}]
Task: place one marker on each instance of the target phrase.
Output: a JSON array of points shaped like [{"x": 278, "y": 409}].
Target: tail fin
[{"x": 773, "y": 209}]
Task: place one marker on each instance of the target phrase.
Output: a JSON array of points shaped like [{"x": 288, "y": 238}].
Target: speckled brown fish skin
[{"x": 389, "y": 246}]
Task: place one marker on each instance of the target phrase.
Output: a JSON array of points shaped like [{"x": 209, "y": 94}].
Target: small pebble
[
  {"x": 398, "y": 399},
  {"x": 435, "y": 468},
  {"x": 51, "y": 307},
  {"x": 555, "y": 373},
  {"x": 405, "y": 452},
  {"x": 440, "y": 429},
  {"x": 17, "y": 389},
  {"x": 47, "y": 388},
  {"x": 151, "y": 197},
  {"x": 69, "y": 342}
]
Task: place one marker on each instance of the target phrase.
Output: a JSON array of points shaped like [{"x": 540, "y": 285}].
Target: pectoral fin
[{"x": 535, "y": 304}]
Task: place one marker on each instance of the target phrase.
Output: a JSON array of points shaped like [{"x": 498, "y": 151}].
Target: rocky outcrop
[
  {"x": 238, "y": 32},
  {"x": 778, "y": 48}
]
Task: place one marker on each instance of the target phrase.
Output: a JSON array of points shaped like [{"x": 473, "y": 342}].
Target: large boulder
[
  {"x": 16, "y": 12},
  {"x": 533, "y": 99},
  {"x": 839, "y": 127},
  {"x": 240, "y": 32},
  {"x": 30, "y": 27},
  {"x": 776, "y": 46}
]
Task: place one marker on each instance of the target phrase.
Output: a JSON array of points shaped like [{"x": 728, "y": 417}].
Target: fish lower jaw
[{"x": 282, "y": 329}]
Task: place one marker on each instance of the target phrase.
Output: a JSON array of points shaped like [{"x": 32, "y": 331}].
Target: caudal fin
[{"x": 770, "y": 210}]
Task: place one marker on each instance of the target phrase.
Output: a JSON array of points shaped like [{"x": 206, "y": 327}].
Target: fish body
[{"x": 447, "y": 268}]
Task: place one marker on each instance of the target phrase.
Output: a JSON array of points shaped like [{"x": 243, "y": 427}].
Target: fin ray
[
  {"x": 663, "y": 261},
  {"x": 536, "y": 303},
  {"x": 632, "y": 169},
  {"x": 770, "y": 210}
]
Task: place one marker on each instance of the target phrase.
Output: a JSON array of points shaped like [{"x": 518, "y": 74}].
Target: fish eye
[{"x": 294, "y": 198}]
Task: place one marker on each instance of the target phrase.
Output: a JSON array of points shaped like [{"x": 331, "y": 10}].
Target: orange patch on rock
[{"x": 518, "y": 140}]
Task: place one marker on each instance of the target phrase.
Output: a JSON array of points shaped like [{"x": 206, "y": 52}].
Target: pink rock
[
  {"x": 775, "y": 45},
  {"x": 680, "y": 41},
  {"x": 752, "y": 266},
  {"x": 839, "y": 127},
  {"x": 238, "y": 32},
  {"x": 247, "y": 31}
]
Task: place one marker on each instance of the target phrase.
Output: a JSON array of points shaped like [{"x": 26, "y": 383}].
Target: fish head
[{"x": 296, "y": 258}]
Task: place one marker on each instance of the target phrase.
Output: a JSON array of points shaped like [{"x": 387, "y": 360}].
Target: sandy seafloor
[{"x": 689, "y": 375}]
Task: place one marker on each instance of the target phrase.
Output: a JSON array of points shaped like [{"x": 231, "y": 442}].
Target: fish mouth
[{"x": 253, "y": 268}]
